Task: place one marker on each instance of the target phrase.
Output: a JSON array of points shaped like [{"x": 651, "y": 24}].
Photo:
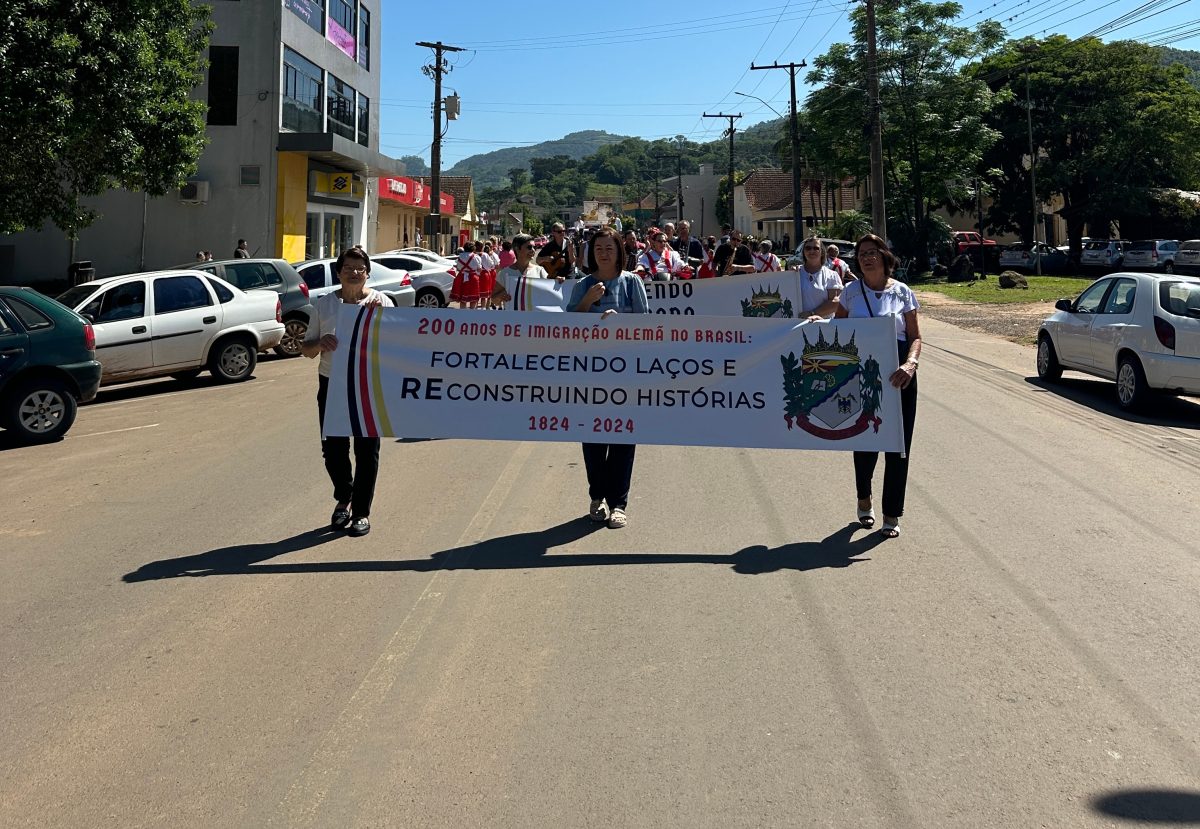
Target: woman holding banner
[
  {"x": 522, "y": 268},
  {"x": 350, "y": 489},
  {"x": 819, "y": 285},
  {"x": 609, "y": 289},
  {"x": 878, "y": 295}
]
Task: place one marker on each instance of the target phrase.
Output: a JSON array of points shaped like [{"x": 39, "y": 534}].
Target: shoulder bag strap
[{"x": 866, "y": 301}]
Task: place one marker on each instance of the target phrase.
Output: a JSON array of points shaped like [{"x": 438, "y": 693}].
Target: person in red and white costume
[
  {"x": 469, "y": 279},
  {"x": 659, "y": 263},
  {"x": 764, "y": 260}
]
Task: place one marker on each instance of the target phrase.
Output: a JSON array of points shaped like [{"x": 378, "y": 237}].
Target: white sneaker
[
  {"x": 598, "y": 511},
  {"x": 617, "y": 520}
]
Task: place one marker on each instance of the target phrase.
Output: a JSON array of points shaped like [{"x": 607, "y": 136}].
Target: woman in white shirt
[
  {"x": 351, "y": 489},
  {"x": 508, "y": 279},
  {"x": 820, "y": 287},
  {"x": 878, "y": 295}
]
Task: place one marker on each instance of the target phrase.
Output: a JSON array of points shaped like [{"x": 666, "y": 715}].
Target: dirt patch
[{"x": 1017, "y": 322}]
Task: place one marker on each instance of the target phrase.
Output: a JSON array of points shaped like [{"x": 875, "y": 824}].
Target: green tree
[
  {"x": 414, "y": 165},
  {"x": 533, "y": 225},
  {"x": 518, "y": 177},
  {"x": 934, "y": 133},
  {"x": 96, "y": 95},
  {"x": 1110, "y": 124}
]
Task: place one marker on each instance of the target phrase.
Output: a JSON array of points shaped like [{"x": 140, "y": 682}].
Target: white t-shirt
[
  {"x": 509, "y": 277},
  {"x": 815, "y": 288},
  {"x": 766, "y": 262},
  {"x": 328, "y": 308},
  {"x": 896, "y": 300},
  {"x": 664, "y": 266}
]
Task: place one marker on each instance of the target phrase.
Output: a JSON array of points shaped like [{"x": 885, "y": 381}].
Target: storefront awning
[{"x": 340, "y": 152}]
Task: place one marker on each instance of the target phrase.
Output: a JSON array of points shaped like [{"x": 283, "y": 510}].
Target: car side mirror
[{"x": 1063, "y": 305}]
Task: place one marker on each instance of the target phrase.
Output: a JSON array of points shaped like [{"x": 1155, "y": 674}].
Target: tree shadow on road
[
  {"x": 519, "y": 551},
  {"x": 1168, "y": 806}
]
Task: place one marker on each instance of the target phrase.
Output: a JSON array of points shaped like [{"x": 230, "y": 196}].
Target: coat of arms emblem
[
  {"x": 830, "y": 391},
  {"x": 767, "y": 302}
]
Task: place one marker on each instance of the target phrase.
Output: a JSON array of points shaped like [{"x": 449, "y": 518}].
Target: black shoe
[
  {"x": 340, "y": 518},
  {"x": 360, "y": 525}
]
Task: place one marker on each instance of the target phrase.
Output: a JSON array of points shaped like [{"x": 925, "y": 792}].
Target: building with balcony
[{"x": 292, "y": 159}]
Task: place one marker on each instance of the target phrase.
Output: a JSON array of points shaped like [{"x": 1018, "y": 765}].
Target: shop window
[{"x": 303, "y": 93}]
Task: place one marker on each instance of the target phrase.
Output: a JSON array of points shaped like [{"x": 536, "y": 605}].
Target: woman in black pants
[
  {"x": 609, "y": 289},
  {"x": 351, "y": 488},
  {"x": 878, "y": 295}
]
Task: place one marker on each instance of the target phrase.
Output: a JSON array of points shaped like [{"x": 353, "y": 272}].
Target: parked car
[
  {"x": 1187, "y": 258},
  {"x": 1151, "y": 255},
  {"x": 422, "y": 253},
  {"x": 318, "y": 275},
  {"x": 431, "y": 280},
  {"x": 1103, "y": 254},
  {"x": 271, "y": 275},
  {"x": 177, "y": 323},
  {"x": 48, "y": 365},
  {"x": 1024, "y": 258},
  {"x": 1141, "y": 330},
  {"x": 967, "y": 241}
]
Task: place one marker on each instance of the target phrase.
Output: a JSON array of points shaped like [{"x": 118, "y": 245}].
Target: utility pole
[
  {"x": 979, "y": 207},
  {"x": 435, "y": 70},
  {"x": 729, "y": 132},
  {"x": 794, "y": 133},
  {"x": 1032, "y": 173},
  {"x": 878, "y": 203}
]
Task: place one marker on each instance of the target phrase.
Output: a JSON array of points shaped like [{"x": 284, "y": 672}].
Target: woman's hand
[
  {"x": 328, "y": 342},
  {"x": 903, "y": 375},
  {"x": 560, "y": 280},
  {"x": 595, "y": 293},
  {"x": 815, "y": 318},
  {"x": 608, "y": 313}
]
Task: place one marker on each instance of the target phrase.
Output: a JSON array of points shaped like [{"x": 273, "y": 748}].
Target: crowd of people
[{"x": 612, "y": 268}]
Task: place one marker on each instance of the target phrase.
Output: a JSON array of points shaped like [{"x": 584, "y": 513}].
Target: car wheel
[
  {"x": 186, "y": 376},
  {"x": 430, "y": 298},
  {"x": 293, "y": 337},
  {"x": 1048, "y": 367},
  {"x": 39, "y": 411},
  {"x": 1132, "y": 390},
  {"x": 232, "y": 360}
]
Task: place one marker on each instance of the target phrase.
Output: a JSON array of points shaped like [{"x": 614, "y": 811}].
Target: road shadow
[
  {"x": 235, "y": 559},
  {"x": 8, "y": 441},
  {"x": 1165, "y": 806},
  {"x": 1101, "y": 396},
  {"x": 519, "y": 551}
]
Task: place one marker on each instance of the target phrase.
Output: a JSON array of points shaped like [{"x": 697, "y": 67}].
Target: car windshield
[
  {"x": 1096, "y": 246},
  {"x": 1145, "y": 245},
  {"x": 1018, "y": 248},
  {"x": 74, "y": 296},
  {"x": 1180, "y": 298}
]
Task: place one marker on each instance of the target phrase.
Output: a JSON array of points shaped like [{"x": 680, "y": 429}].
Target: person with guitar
[{"x": 558, "y": 255}]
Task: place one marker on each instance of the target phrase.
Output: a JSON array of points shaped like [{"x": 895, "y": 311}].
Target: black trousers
[
  {"x": 609, "y": 471},
  {"x": 895, "y": 464},
  {"x": 358, "y": 486}
]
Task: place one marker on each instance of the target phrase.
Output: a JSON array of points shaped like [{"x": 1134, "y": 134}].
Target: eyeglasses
[
  {"x": 358, "y": 269},
  {"x": 558, "y": 231},
  {"x": 811, "y": 247},
  {"x": 870, "y": 253}
]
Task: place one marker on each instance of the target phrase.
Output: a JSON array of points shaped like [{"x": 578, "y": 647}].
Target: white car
[
  {"x": 422, "y": 253},
  {"x": 431, "y": 280},
  {"x": 318, "y": 275},
  {"x": 1141, "y": 330},
  {"x": 1151, "y": 255},
  {"x": 178, "y": 323}
]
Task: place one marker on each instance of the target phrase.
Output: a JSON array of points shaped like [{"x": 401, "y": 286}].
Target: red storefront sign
[{"x": 403, "y": 190}]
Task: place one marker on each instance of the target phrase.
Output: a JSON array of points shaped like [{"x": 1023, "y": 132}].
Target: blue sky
[{"x": 535, "y": 72}]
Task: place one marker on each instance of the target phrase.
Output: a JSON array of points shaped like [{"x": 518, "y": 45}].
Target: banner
[
  {"x": 691, "y": 381},
  {"x": 761, "y": 295}
]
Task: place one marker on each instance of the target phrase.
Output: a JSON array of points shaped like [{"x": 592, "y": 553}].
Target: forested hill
[
  {"x": 1189, "y": 59},
  {"x": 491, "y": 169}
]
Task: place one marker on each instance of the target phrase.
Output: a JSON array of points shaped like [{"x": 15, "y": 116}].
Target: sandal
[
  {"x": 617, "y": 520},
  {"x": 866, "y": 517},
  {"x": 891, "y": 527}
]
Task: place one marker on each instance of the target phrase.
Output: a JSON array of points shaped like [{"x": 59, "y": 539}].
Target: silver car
[
  {"x": 1187, "y": 258},
  {"x": 1151, "y": 255},
  {"x": 318, "y": 275},
  {"x": 432, "y": 280},
  {"x": 1103, "y": 254}
]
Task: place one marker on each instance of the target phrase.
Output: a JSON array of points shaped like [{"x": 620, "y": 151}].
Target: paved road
[{"x": 183, "y": 645}]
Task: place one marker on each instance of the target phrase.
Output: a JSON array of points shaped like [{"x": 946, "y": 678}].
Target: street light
[{"x": 761, "y": 101}]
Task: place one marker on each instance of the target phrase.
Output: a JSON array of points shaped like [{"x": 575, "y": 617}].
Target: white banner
[
  {"x": 763, "y": 295},
  {"x": 672, "y": 379}
]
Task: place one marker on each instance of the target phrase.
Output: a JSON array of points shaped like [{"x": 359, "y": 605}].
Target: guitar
[{"x": 555, "y": 262}]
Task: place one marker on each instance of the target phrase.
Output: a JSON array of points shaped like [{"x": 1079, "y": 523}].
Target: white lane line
[
  {"x": 114, "y": 431},
  {"x": 306, "y": 795}
]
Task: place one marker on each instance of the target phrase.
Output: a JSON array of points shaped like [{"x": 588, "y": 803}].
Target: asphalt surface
[{"x": 183, "y": 644}]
